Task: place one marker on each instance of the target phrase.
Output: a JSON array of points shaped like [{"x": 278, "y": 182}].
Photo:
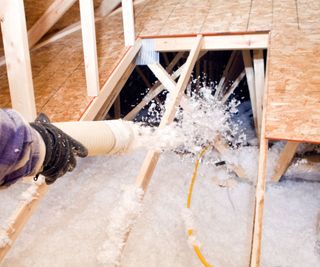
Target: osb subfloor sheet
[{"x": 293, "y": 109}]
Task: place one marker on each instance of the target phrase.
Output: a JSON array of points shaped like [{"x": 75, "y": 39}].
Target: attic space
[{"x": 223, "y": 72}]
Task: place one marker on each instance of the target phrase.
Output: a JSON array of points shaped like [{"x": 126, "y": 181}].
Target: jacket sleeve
[{"x": 22, "y": 149}]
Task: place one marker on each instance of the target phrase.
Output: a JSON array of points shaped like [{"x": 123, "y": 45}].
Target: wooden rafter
[
  {"x": 214, "y": 43},
  {"x": 162, "y": 76},
  {"x": 89, "y": 46},
  {"x": 158, "y": 87},
  {"x": 154, "y": 91},
  {"x": 174, "y": 61},
  {"x": 233, "y": 86},
  {"x": 152, "y": 157},
  {"x": 20, "y": 217},
  {"x": 16, "y": 49},
  {"x": 108, "y": 93},
  {"x": 143, "y": 77},
  {"x": 128, "y": 22},
  {"x": 166, "y": 60},
  {"x": 48, "y": 19},
  {"x": 258, "y": 63},
  {"x": 260, "y": 190},
  {"x": 247, "y": 61},
  {"x": 285, "y": 159},
  {"x": 225, "y": 72},
  {"x": 106, "y": 6},
  {"x": 103, "y": 112},
  {"x": 259, "y": 204},
  {"x": 117, "y": 107}
]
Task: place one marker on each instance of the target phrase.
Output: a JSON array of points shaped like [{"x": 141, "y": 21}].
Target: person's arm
[
  {"x": 35, "y": 148},
  {"x": 22, "y": 150}
]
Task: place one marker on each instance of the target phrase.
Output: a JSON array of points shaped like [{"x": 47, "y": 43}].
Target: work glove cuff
[{"x": 61, "y": 149}]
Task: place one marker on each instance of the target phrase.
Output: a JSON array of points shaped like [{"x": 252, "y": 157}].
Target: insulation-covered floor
[{"x": 69, "y": 227}]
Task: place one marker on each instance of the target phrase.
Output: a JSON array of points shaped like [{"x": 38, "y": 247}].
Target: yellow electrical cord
[{"x": 190, "y": 231}]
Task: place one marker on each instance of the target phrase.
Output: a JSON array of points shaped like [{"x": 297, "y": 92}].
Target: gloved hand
[{"x": 61, "y": 149}]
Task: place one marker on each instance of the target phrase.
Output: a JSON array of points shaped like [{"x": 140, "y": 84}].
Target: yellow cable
[{"x": 190, "y": 231}]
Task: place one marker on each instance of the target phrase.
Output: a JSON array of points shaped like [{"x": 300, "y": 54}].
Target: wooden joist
[
  {"x": 107, "y": 93},
  {"x": 152, "y": 157},
  {"x": 215, "y": 42},
  {"x": 285, "y": 159},
  {"x": 247, "y": 61},
  {"x": 255, "y": 258},
  {"x": 21, "y": 216},
  {"x": 234, "y": 85},
  {"x": 117, "y": 107},
  {"x": 128, "y": 22},
  {"x": 143, "y": 77},
  {"x": 225, "y": 74},
  {"x": 103, "y": 112},
  {"x": 89, "y": 46},
  {"x": 16, "y": 49},
  {"x": 154, "y": 91},
  {"x": 258, "y": 63},
  {"x": 174, "y": 61},
  {"x": 106, "y": 7},
  {"x": 162, "y": 76},
  {"x": 48, "y": 19},
  {"x": 259, "y": 203}
]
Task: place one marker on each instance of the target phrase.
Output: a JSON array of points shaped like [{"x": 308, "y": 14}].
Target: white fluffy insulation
[{"x": 84, "y": 218}]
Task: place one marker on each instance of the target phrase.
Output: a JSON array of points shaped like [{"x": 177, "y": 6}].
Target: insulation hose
[
  {"x": 101, "y": 137},
  {"x": 190, "y": 231}
]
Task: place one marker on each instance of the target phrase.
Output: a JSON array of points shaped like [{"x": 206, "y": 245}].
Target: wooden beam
[
  {"x": 16, "y": 50},
  {"x": 117, "y": 107},
  {"x": 247, "y": 61},
  {"x": 20, "y": 217},
  {"x": 128, "y": 22},
  {"x": 166, "y": 60},
  {"x": 258, "y": 63},
  {"x": 285, "y": 159},
  {"x": 107, "y": 93},
  {"x": 143, "y": 77},
  {"x": 152, "y": 157},
  {"x": 103, "y": 112},
  {"x": 4, "y": 4},
  {"x": 163, "y": 76},
  {"x": 174, "y": 61},
  {"x": 233, "y": 86},
  {"x": 259, "y": 204},
  {"x": 158, "y": 87},
  {"x": 260, "y": 190},
  {"x": 89, "y": 47},
  {"x": 153, "y": 92},
  {"x": 106, "y": 7},
  {"x": 223, "y": 78},
  {"x": 48, "y": 19},
  {"x": 212, "y": 43}
]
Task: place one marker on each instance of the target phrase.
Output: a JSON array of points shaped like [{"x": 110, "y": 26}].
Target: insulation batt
[{"x": 83, "y": 218}]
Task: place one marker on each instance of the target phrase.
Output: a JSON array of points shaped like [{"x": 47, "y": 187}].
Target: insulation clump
[{"x": 122, "y": 218}]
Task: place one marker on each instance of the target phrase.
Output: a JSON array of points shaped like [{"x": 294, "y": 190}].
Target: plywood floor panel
[
  {"x": 293, "y": 109},
  {"x": 309, "y": 14},
  {"x": 261, "y": 15},
  {"x": 284, "y": 15}
]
